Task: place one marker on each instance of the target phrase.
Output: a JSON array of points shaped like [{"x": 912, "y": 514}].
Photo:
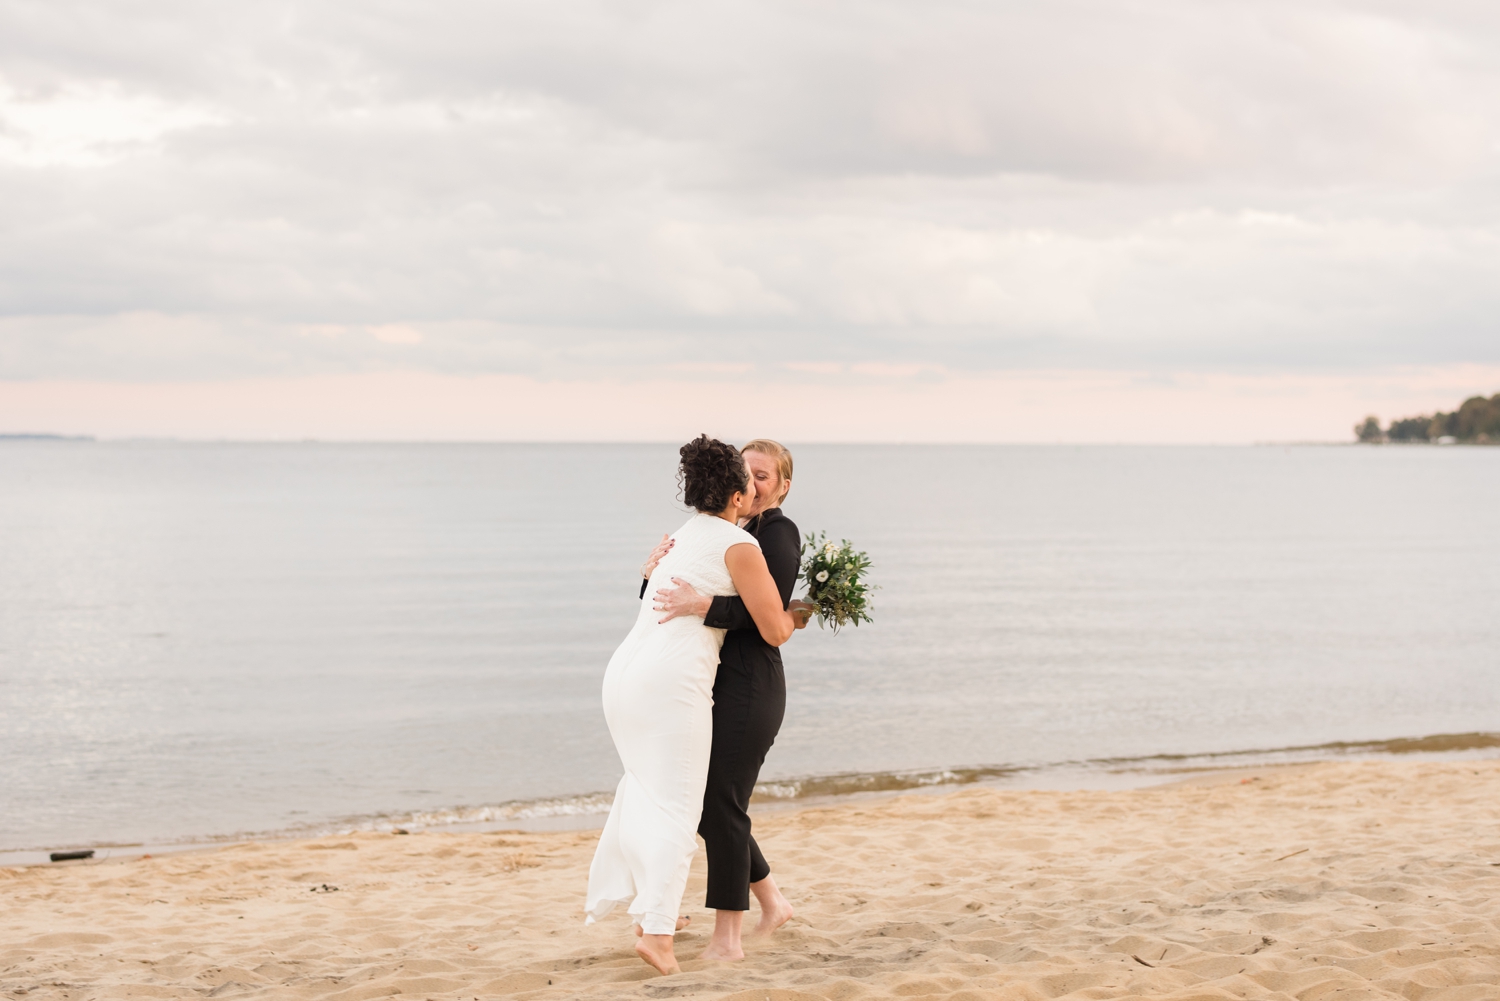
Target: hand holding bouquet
[{"x": 835, "y": 581}]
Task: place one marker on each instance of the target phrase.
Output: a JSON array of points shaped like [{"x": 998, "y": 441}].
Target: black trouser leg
[
  {"x": 749, "y": 701},
  {"x": 759, "y": 867}
]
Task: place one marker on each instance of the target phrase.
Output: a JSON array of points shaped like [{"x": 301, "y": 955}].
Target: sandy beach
[{"x": 1343, "y": 881}]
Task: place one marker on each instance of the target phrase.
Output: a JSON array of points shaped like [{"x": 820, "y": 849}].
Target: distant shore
[{"x": 12, "y": 436}]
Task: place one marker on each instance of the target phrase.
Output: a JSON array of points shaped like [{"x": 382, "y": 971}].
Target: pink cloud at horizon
[{"x": 1033, "y": 406}]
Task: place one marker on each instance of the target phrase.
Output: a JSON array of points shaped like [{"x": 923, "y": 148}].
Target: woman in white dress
[{"x": 658, "y": 702}]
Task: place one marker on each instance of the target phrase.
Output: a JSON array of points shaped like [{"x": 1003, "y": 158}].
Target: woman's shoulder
[
  {"x": 775, "y": 524},
  {"x": 726, "y": 533},
  {"x": 739, "y": 535}
]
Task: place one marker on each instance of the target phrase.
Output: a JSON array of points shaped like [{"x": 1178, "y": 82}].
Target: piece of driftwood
[{"x": 70, "y": 856}]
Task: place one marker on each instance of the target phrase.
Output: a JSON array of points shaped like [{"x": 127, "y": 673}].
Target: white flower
[
  {"x": 830, "y": 549},
  {"x": 822, "y": 576}
]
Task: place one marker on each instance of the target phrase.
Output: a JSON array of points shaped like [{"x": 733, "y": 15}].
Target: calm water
[{"x": 200, "y": 640}]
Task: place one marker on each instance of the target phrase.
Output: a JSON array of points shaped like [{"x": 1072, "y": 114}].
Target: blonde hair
[{"x": 783, "y": 457}]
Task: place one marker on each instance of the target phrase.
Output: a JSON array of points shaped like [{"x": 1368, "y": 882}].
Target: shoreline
[
  {"x": 1371, "y": 877},
  {"x": 586, "y": 812}
]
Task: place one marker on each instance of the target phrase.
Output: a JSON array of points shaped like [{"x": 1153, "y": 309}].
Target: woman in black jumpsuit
[{"x": 749, "y": 702}]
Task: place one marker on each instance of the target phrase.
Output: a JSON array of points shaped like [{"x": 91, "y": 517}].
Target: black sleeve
[
  {"x": 728, "y": 612},
  {"x": 782, "y": 548}
]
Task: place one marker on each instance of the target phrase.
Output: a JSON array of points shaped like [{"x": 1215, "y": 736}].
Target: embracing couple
[{"x": 693, "y": 699}]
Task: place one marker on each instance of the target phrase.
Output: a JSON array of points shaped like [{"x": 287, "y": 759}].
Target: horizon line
[{"x": 172, "y": 439}]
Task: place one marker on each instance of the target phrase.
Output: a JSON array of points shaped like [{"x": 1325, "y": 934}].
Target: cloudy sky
[{"x": 1169, "y": 220}]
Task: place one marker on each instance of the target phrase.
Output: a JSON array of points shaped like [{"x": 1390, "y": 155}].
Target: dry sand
[{"x": 1331, "y": 883}]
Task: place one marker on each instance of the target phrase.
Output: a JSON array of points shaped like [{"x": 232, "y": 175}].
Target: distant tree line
[{"x": 1476, "y": 422}]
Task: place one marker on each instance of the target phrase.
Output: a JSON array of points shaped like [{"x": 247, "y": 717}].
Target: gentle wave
[
  {"x": 853, "y": 783},
  {"x": 850, "y": 783},
  {"x": 1440, "y": 743},
  {"x": 586, "y": 805},
  {"x": 1138, "y": 770}
]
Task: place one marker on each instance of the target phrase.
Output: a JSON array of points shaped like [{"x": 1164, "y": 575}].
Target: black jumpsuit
[{"x": 749, "y": 701}]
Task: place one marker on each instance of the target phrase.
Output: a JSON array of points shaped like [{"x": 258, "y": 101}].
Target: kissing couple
[{"x": 694, "y": 697}]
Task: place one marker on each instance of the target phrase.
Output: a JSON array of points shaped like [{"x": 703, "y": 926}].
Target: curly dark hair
[{"x": 710, "y": 473}]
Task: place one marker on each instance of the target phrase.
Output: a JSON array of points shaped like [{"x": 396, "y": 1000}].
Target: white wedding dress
[{"x": 658, "y": 702}]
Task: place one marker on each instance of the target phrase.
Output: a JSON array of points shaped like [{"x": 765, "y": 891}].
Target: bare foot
[
  {"x": 774, "y": 917},
  {"x": 657, "y": 950},
  {"x": 682, "y": 923},
  {"x": 722, "y": 953}
]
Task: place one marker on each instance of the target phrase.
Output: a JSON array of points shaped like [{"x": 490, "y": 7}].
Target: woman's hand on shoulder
[{"x": 662, "y": 548}]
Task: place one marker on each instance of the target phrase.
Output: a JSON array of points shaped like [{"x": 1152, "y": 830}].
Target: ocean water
[{"x": 206, "y": 640}]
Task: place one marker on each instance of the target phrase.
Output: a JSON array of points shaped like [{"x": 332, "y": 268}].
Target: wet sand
[{"x": 1330, "y": 882}]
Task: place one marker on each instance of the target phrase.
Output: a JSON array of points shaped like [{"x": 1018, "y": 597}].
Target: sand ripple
[{"x": 1333, "y": 882}]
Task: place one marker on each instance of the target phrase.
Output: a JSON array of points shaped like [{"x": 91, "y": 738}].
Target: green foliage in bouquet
[{"x": 835, "y": 576}]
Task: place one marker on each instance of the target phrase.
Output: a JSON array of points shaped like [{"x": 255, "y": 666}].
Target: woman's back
[
  {"x": 658, "y": 702},
  {"x": 698, "y": 558}
]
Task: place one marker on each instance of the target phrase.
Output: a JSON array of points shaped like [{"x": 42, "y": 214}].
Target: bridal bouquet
[{"x": 835, "y": 581}]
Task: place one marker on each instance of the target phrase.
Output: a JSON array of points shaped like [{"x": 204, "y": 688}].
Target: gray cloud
[{"x": 199, "y": 190}]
